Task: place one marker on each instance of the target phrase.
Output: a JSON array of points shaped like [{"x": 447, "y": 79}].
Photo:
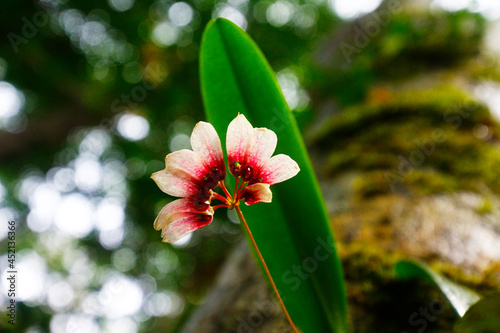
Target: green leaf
[
  {"x": 460, "y": 297},
  {"x": 482, "y": 317},
  {"x": 293, "y": 233}
]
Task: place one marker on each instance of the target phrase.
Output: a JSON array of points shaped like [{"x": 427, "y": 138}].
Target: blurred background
[{"x": 94, "y": 94}]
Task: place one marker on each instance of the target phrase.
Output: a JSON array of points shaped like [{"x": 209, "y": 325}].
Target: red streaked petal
[
  {"x": 238, "y": 139},
  {"x": 262, "y": 147},
  {"x": 277, "y": 169},
  {"x": 206, "y": 145},
  {"x": 256, "y": 193},
  {"x": 174, "y": 185},
  {"x": 183, "y": 226},
  {"x": 179, "y": 218},
  {"x": 176, "y": 207}
]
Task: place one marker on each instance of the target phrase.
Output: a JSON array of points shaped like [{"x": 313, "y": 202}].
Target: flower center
[
  {"x": 203, "y": 194},
  {"x": 235, "y": 169},
  {"x": 209, "y": 182},
  {"x": 244, "y": 174},
  {"x": 247, "y": 173},
  {"x": 217, "y": 174}
]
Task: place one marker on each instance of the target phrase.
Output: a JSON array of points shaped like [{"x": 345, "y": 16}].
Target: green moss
[
  {"x": 443, "y": 105},
  {"x": 460, "y": 162},
  {"x": 420, "y": 141},
  {"x": 417, "y": 181}
]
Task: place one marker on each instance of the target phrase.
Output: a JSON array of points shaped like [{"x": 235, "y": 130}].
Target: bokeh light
[
  {"x": 74, "y": 215},
  {"x": 165, "y": 34},
  {"x": 121, "y": 5},
  {"x": 488, "y": 8},
  {"x": 296, "y": 96},
  {"x": 180, "y": 14},
  {"x": 12, "y": 100},
  {"x": 133, "y": 127},
  {"x": 232, "y": 14},
  {"x": 280, "y": 13},
  {"x": 120, "y": 296},
  {"x": 353, "y": 8}
]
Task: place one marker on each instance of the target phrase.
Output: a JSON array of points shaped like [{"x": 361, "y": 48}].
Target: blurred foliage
[
  {"x": 76, "y": 156},
  {"x": 409, "y": 44}
]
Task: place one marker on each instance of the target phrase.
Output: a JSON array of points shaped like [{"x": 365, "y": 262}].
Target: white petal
[
  {"x": 256, "y": 193},
  {"x": 238, "y": 139},
  {"x": 174, "y": 185},
  {"x": 182, "y": 175},
  {"x": 262, "y": 147},
  {"x": 206, "y": 145},
  {"x": 179, "y": 218},
  {"x": 279, "y": 168}
]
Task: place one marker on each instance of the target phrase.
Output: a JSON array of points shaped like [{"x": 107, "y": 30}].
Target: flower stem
[
  {"x": 226, "y": 192},
  {"x": 240, "y": 188},
  {"x": 217, "y": 196},
  {"x": 218, "y": 206},
  {"x": 244, "y": 222}
]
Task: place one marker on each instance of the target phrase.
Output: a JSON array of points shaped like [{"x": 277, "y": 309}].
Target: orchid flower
[
  {"x": 249, "y": 152},
  {"x": 191, "y": 174},
  {"x": 194, "y": 174}
]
